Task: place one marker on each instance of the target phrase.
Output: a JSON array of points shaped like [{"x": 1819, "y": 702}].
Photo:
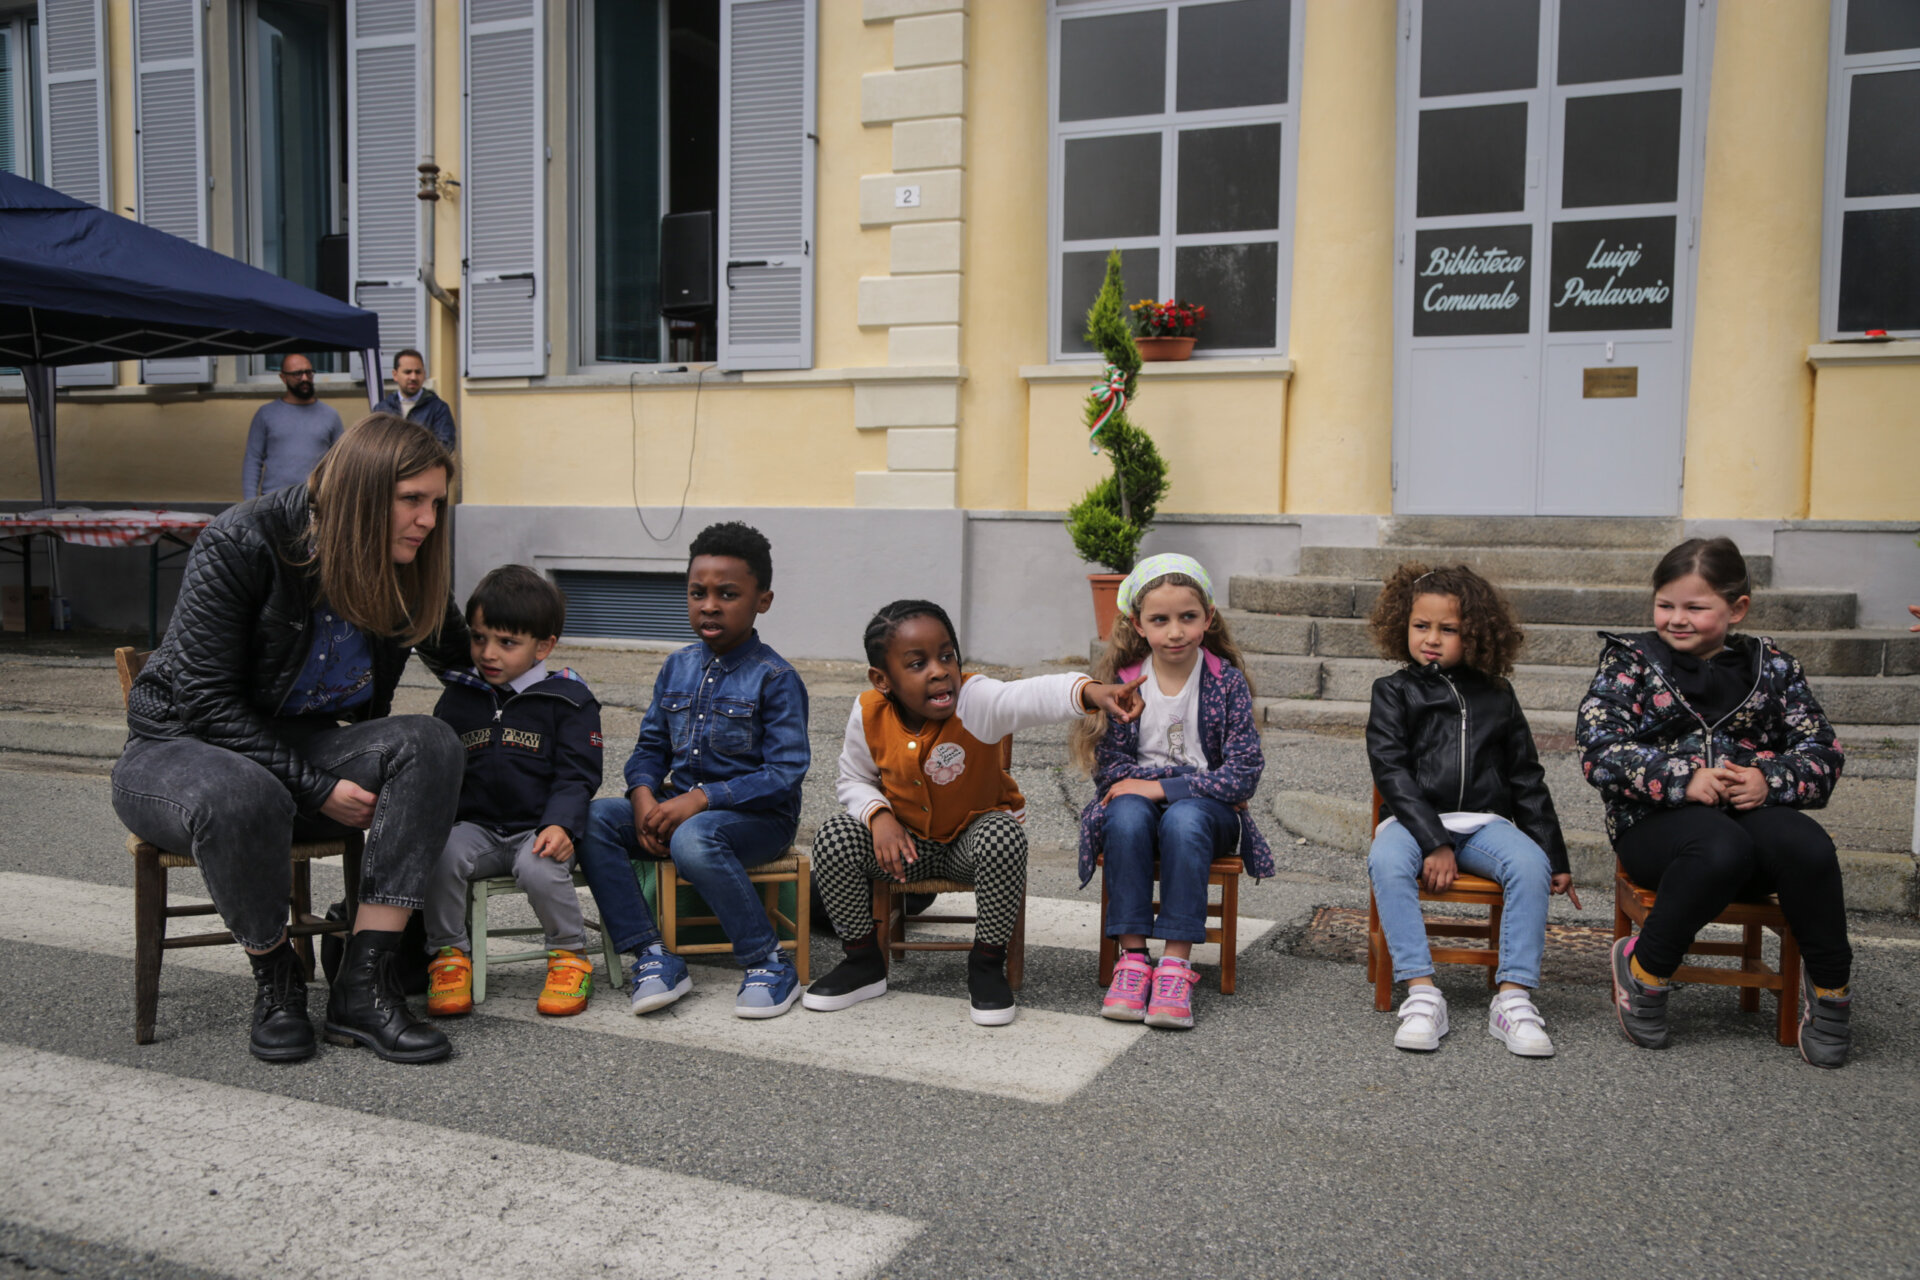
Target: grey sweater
[{"x": 284, "y": 442}]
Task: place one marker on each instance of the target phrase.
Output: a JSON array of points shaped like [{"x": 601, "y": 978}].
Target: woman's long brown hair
[
  {"x": 1126, "y": 646},
  {"x": 351, "y": 495}
]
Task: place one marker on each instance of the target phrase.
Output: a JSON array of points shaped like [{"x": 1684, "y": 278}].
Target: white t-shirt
[{"x": 1170, "y": 723}]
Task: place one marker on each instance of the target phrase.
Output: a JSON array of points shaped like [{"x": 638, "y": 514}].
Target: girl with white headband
[{"x": 1173, "y": 785}]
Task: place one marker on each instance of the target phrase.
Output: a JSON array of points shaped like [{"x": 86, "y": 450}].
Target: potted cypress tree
[{"x": 1106, "y": 525}]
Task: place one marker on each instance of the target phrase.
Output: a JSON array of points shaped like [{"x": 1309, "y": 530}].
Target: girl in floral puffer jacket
[{"x": 1706, "y": 746}]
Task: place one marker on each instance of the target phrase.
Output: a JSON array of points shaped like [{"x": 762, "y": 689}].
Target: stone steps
[
  {"x": 1615, "y": 607},
  {"x": 1505, "y": 566},
  {"x": 1863, "y": 700},
  {"x": 1639, "y": 534},
  {"x": 1836, "y": 653}
]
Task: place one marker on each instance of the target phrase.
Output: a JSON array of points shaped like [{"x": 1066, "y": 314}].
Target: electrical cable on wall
[{"x": 633, "y": 462}]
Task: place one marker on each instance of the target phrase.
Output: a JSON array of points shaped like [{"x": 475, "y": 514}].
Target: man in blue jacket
[{"x": 412, "y": 401}]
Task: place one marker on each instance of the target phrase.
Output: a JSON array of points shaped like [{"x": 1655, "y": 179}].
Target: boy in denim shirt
[{"x": 713, "y": 782}]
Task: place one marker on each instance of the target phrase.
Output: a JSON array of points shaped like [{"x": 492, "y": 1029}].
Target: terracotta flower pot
[
  {"x": 1165, "y": 348},
  {"x": 1106, "y": 601}
]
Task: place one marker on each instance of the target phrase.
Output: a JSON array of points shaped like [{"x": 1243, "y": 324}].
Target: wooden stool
[
  {"x": 1223, "y": 920},
  {"x": 890, "y": 924},
  {"x": 151, "y": 912},
  {"x": 1631, "y": 904},
  {"x": 795, "y": 869},
  {"x": 1472, "y": 890},
  {"x": 478, "y": 891}
]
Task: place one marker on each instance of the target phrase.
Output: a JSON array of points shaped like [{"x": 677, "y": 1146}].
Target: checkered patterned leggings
[{"x": 990, "y": 854}]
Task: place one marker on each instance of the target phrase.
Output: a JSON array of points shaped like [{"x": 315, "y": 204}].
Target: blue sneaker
[
  {"x": 769, "y": 989},
  {"x": 659, "y": 978}
]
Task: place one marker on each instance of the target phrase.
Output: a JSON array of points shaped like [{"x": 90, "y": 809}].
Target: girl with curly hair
[
  {"x": 1463, "y": 790},
  {"x": 1707, "y": 746}
]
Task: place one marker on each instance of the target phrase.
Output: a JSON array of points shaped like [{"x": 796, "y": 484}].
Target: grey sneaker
[
  {"x": 1642, "y": 1009},
  {"x": 1825, "y": 1031}
]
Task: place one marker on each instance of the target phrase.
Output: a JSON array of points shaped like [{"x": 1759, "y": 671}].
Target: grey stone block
[
  {"x": 1285, "y": 676},
  {"x": 1312, "y": 597},
  {"x": 1270, "y": 633},
  {"x": 1903, "y": 656},
  {"x": 1310, "y": 714},
  {"x": 1531, "y": 531},
  {"x": 1878, "y": 881},
  {"x": 1868, "y": 699},
  {"x": 1504, "y": 566}
]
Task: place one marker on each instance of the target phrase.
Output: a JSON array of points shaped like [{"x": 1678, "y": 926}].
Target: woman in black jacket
[
  {"x": 1463, "y": 789},
  {"x": 263, "y": 715}
]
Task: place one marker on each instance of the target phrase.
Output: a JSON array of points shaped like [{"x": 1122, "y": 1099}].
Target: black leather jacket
[
  {"x": 239, "y": 637},
  {"x": 1457, "y": 741}
]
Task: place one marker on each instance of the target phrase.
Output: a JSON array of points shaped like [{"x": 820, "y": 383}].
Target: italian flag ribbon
[{"x": 1111, "y": 391}]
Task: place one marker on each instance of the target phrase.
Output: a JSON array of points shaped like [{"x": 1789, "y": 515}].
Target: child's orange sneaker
[
  {"x": 569, "y": 983},
  {"x": 449, "y": 984}
]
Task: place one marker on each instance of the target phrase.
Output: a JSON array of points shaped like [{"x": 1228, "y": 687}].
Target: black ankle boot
[
  {"x": 366, "y": 1005},
  {"x": 992, "y": 995},
  {"x": 282, "y": 1031}
]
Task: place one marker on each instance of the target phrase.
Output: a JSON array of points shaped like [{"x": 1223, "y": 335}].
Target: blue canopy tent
[{"x": 79, "y": 284}]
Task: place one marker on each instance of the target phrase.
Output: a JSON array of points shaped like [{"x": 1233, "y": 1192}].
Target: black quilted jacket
[{"x": 239, "y": 637}]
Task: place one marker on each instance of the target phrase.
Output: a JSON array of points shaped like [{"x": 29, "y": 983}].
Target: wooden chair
[
  {"x": 1631, "y": 904},
  {"x": 890, "y": 920},
  {"x": 1223, "y": 921},
  {"x": 478, "y": 892},
  {"x": 151, "y": 912},
  {"x": 795, "y": 869},
  {"x": 1473, "y": 890}
]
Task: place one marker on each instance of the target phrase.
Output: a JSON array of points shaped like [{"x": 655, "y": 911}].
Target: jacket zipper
[
  {"x": 1706, "y": 728},
  {"x": 1460, "y": 803}
]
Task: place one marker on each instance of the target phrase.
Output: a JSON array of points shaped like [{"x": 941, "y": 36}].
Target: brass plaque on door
[{"x": 1610, "y": 383}]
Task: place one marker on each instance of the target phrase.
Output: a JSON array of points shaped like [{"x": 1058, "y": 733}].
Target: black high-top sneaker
[
  {"x": 987, "y": 984},
  {"x": 1826, "y": 1028},
  {"x": 282, "y": 1032},
  {"x": 366, "y": 1005},
  {"x": 861, "y": 976}
]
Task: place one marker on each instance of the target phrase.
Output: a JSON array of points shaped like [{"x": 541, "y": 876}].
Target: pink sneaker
[
  {"x": 1127, "y": 998},
  {"x": 1172, "y": 1003}
]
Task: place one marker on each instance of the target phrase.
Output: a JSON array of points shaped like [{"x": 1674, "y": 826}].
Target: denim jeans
[
  {"x": 1185, "y": 836},
  {"x": 239, "y": 821},
  {"x": 711, "y": 851},
  {"x": 1498, "y": 851}
]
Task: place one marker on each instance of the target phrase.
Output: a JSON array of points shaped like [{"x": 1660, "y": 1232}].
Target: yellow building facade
[{"x": 917, "y": 430}]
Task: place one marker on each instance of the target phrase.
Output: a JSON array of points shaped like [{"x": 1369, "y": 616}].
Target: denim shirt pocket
[
  {"x": 733, "y": 727},
  {"x": 678, "y": 710}
]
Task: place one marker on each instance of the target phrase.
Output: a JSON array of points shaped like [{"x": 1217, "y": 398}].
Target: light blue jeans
[{"x": 1498, "y": 851}]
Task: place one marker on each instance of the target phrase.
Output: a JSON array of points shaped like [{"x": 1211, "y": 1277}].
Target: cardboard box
[{"x": 13, "y": 613}]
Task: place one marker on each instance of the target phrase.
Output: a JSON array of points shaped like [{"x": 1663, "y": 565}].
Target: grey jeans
[
  {"x": 239, "y": 821},
  {"x": 474, "y": 853}
]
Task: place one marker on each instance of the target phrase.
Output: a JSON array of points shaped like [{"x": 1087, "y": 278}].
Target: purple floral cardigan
[
  {"x": 1231, "y": 742},
  {"x": 1641, "y": 741}
]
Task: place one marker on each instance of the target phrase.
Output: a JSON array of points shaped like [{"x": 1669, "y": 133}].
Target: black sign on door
[
  {"x": 1614, "y": 273},
  {"x": 1472, "y": 280}
]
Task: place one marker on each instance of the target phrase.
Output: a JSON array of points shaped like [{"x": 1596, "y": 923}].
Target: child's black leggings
[{"x": 1699, "y": 859}]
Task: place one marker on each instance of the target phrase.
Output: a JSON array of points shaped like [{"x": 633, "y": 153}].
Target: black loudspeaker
[
  {"x": 332, "y": 274},
  {"x": 686, "y": 264}
]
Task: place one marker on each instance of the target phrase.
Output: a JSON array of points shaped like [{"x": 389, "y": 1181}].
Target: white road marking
[
  {"x": 1071, "y": 923},
  {"x": 201, "y": 1174},
  {"x": 1042, "y": 1057}
]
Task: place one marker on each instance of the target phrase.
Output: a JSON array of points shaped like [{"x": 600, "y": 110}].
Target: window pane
[
  {"x": 1874, "y": 26},
  {"x": 293, "y": 43},
  {"x": 1622, "y": 148},
  {"x": 1080, "y": 277},
  {"x": 1472, "y": 160},
  {"x": 1880, "y": 270},
  {"x": 626, "y": 181},
  {"x": 1115, "y": 66},
  {"x": 1621, "y": 39},
  {"x": 1479, "y": 46},
  {"x": 1111, "y": 188},
  {"x": 9, "y": 163},
  {"x": 1614, "y": 274},
  {"x": 1472, "y": 280},
  {"x": 1229, "y": 179},
  {"x": 1238, "y": 284},
  {"x": 1883, "y": 146},
  {"x": 1233, "y": 55}
]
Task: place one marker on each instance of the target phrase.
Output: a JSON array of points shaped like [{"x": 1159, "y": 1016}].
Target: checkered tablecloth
[{"x": 123, "y": 528}]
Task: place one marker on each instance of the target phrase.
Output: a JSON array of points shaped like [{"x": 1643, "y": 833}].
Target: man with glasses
[{"x": 288, "y": 435}]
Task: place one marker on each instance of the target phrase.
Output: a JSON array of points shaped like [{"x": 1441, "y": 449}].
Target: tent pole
[
  {"x": 376, "y": 376},
  {"x": 40, "y": 406}
]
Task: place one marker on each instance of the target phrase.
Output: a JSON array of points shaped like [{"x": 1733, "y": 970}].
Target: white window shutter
[
  {"x": 767, "y": 92},
  {"x": 170, "y": 141},
  {"x": 73, "y": 121},
  {"x": 503, "y": 307},
  {"x": 389, "y": 131}
]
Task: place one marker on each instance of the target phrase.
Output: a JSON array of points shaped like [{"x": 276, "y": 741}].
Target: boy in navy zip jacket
[{"x": 533, "y": 763}]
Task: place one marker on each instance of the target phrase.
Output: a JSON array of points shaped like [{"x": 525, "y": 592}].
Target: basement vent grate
[{"x": 625, "y": 606}]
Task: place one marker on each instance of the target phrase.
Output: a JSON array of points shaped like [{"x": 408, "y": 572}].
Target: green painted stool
[{"x": 478, "y": 891}]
